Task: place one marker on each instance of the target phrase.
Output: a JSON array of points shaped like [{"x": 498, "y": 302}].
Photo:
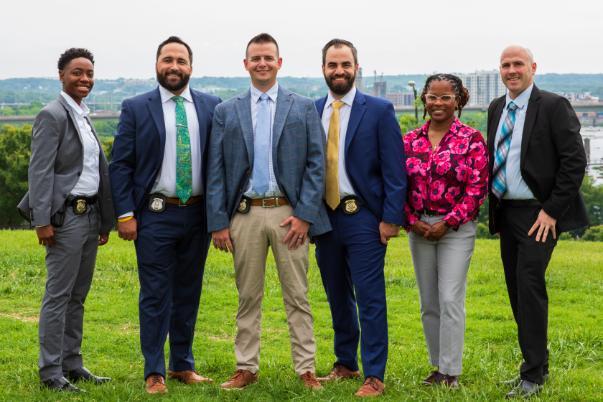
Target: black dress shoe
[
  {"x": 515, "y": 381},
  {"x": 61, "y": 385},
  {"x": 82, "y": 374},
  {"x": 524, "y": 389}
]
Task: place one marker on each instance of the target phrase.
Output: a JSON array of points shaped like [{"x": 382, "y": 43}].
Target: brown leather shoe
[
  {"x": 155, "y": 384},
  {"x": 339, "y": 372},
  {"x": 188, "y": 377},
  {"x": 310, "y": 381},
  {"x": 372, "y": 387},
  {"x": 240, "y": 379},
  {"x": 434, "y": 378}
]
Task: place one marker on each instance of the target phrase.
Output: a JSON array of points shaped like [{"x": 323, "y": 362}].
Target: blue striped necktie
[
  {"x": 499, "y": 183},
  {"x": 261, "y": 147}
]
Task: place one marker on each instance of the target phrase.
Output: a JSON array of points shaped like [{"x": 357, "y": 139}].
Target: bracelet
[{"x": 125, "y": 219}]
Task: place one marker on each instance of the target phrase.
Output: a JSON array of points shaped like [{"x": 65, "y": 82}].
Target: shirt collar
[
  {"x": 256, "y": 93},
  {"x": 81, "y": 109},
  {"x": 347, "y": 99},
  {"x": 166, "y": 95},
  {"x": 522, "y": 99}
]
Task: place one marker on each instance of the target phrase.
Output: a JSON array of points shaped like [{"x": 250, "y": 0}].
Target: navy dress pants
[
  {"x": 351, "y": 260},
  {"x": 171, "y": 249}
]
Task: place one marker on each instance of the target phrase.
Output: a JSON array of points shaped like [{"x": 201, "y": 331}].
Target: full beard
[{"x": 163, "y": 81}]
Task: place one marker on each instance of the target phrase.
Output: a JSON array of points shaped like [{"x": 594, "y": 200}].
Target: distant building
[
  {"x": 483, "y": 86},
  {"x": 401, "y": 98},
  {"x": 359, "y": 80}
]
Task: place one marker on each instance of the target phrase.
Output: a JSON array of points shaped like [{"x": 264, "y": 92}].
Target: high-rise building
[{"x": 483, "y": 86}]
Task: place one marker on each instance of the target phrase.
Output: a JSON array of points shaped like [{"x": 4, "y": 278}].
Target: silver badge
[{"x": 157, "y": 204}]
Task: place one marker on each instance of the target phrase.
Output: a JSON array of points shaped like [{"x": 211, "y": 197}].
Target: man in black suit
[{"x": 537, "y": 162}]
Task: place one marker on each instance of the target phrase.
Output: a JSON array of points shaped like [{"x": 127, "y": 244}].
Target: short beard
[
  {"x": 341, "y": 89},
  {"x": 173, "y": 87}
]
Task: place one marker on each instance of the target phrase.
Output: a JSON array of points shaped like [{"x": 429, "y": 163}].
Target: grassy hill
[{"x": 111, "y": 347}]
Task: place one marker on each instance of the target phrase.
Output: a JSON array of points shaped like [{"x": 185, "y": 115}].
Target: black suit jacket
[{"x": 553, "y": 160}]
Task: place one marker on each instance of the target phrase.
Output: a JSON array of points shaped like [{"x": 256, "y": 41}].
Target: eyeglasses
[{"x": 444, "y": 98}]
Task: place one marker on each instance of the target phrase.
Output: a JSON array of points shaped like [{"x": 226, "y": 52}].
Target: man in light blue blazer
[
  {"x": 365, "y": 191},
  {"x": 264, "y": 189}
]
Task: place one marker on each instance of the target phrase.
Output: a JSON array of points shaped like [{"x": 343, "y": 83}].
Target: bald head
[
  {"x": 517, "y": 69},
  {"x": 516, "y": 49}
]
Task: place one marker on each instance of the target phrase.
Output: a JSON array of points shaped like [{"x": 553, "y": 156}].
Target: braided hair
[{"x": 462, "y": 93}]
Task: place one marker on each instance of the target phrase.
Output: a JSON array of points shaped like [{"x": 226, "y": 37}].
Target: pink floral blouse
[{"x": 452, "y": 179}]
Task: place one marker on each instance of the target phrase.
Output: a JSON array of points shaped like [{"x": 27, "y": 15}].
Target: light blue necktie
[
  {"x": 499, "y": 184},
  {"x": 261, "y": 147}
]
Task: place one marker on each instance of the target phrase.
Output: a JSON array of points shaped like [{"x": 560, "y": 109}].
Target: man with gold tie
[{"x": 365, "y": 195}]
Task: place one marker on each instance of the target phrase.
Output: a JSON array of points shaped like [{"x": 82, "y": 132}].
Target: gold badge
[
  {"x": 80, "y": 206},
  {"x": 244, "y": 205},
  {"x": 350, "y": 206}
]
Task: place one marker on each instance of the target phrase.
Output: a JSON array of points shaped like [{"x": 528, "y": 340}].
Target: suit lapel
[
  {"x": 320, "y": 105},
  {"x": 528, "y": 125},
  {"x": 493, "y": 126},
  {"x": 283, "y": 105},
  {"x": 71, "y": 114},
  {"x": 358, "y": 110},
  {"x": 156, "y": 110},
  {"x": 200, "y": 108},
  {"x": 243, "y": 107}
]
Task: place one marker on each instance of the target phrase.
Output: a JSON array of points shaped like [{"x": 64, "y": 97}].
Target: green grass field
[{"x": 111, "y": 347}]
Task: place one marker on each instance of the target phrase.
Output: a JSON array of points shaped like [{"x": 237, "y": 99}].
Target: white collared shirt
[
  {"x": 345, "y": 185},
  {"x": 165, "y": 182},
  {"x": 89, "y": 179},
  {"x": 273, "y": 190},
  {"x": 517, "y": 189}
]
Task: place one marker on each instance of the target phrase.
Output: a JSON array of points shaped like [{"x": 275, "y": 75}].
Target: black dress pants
[{"x": 525, "y": 261}]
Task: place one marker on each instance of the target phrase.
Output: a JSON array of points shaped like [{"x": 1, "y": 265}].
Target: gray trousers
[
  {"x": 441, "y": 271},
  {"x": 69, "y": 265}
]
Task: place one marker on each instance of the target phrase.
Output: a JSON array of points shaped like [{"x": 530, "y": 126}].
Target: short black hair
[
  {"x": 175, "y": 39},
  {"x": 337, "y": 43},
  {"x": 74, "y": 53},
  {"x": 262, "y": 38},
  {"x": 461, "y": 93}
]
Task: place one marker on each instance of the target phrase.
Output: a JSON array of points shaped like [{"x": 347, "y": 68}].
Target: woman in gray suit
[{"x": 69, "y": 204}]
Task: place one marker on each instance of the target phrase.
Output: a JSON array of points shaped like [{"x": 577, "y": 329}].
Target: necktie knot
[
  {"x": 337, "y": 104},
  {"x": 511, "y": 107},
  {"x": 263, "y": 98},
  {"x": 178, "y": 99}
]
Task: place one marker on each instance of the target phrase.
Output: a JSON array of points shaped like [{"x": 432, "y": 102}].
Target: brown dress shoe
[
  {"x": 310, "y": 381},
  {"x": 372, "y": 387},
  {"x": 240, "y": 379},
  {"x": 339, "y": 372},
  {"x": 434, "y": 378},
  {"x": 188, "y": 377},
  {"x": 155, "y": 384}
]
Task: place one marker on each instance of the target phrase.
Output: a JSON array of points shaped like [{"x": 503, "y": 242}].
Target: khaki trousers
[{"x": 252, "y": 233}]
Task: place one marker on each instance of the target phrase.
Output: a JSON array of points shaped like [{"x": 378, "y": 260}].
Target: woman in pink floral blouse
[{"x": 447, "y": 166}]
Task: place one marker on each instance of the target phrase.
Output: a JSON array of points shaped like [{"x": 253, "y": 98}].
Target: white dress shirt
[
  {"x": 345, "y": 186},
  {"x": 88, "y": 182},
  {"x": 165, "y": 183},
  {"x": 273, "y": 190},
  {"x": 517, "y": 189}
]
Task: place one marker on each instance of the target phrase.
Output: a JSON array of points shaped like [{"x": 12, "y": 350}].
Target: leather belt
[
  {"x": 269, "y": 202},
  {"x": 196, "y": 199},
  {"x": 89, "y": 200}
]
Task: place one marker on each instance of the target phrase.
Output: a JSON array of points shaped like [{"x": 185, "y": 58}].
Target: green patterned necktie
[{"x": 184, "y": 176}]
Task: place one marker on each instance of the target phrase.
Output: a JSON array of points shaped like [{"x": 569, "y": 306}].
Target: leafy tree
[{"x": 14, "y": 159}]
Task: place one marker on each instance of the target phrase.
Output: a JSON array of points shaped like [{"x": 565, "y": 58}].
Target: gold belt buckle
[{"x": 264, "y": 205}]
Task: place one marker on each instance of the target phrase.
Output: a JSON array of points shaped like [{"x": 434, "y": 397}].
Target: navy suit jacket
[
  {"x": 374, "y": 152},
  {"x": 298, "y": 149},
  {"x": 139, "y": 146}
]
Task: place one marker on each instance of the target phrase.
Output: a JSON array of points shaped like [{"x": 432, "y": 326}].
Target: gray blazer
[
  {"x": 298, "y": 149},
  {"x": 56, "y": 164}
]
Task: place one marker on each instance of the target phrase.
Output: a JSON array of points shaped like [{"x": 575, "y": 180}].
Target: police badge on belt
[
  {"x": 350, "y": 205},
  {"x": 156, "y": 203},
  {"x": 80, "y": 206},
  {"x": 244, "y": 205}
]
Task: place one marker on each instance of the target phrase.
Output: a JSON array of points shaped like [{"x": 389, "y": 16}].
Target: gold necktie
[{"x": 332, "y": 190}]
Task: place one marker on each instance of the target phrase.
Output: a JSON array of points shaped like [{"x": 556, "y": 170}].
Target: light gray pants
[
  {"x": 441, "y": 271},
  {"x": 69, "y": 265}
]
